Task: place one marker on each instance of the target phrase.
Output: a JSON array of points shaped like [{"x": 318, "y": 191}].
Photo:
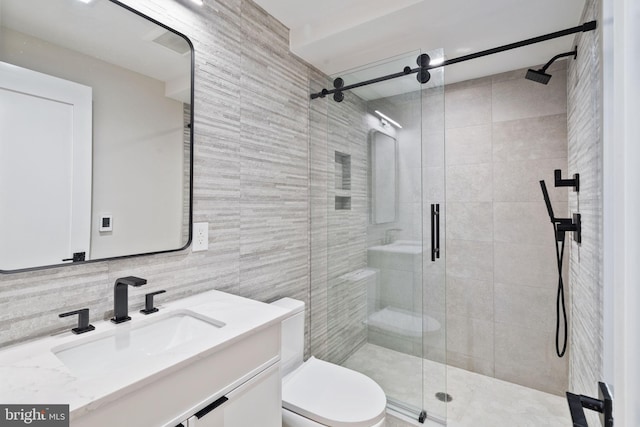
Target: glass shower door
[
  {"x": 381, "y": 177},
  {"x": 434, "y": 373}
]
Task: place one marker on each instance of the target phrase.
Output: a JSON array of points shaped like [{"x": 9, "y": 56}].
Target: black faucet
[
  {"x": 121, "y": 297},
  {"x": 83, "y": 320},
  {"x": 148, "y": 302}
]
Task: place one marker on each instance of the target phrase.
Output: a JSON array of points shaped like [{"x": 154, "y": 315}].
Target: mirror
[
  {"x": 95, "y": 133},
  {"x": 383, "y": 177}
]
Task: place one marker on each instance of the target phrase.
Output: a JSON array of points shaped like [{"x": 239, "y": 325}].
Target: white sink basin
[{"x": 133, "y": 344}]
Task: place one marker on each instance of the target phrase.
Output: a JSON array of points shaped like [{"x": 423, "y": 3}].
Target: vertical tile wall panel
[
  {"x": 318, "y": 170},
  {"x": 346, "y": 229},
  {"x": 585, "y": 158},
  {"x": 273, "y": 149}
]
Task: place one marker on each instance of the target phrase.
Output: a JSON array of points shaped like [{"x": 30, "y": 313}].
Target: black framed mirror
[{"x": 96, "y": 135}]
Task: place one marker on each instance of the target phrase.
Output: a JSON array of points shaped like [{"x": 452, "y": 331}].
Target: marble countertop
[{"x": 32, "y": 374}]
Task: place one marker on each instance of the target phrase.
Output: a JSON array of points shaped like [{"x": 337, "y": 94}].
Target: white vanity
[{"x": 211, "y": 359}]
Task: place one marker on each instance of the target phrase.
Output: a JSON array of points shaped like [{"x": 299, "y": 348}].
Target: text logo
[{"x": 34, "y": 415}]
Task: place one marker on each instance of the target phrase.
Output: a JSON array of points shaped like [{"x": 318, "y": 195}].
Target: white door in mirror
[
  {"x": 200, "y": 237},
  {"x": 46, "y": 123}
]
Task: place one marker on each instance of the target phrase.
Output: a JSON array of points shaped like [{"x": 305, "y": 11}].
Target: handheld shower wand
[
  {"x": 560, "y": 302},
  {"x": 560, "y": 227}
]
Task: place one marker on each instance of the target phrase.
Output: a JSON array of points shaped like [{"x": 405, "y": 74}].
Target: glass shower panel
[
  {"x": 433, "y": 255},
  {"x": 394, "y": 250},
  {"x": 381, "y": 176}
]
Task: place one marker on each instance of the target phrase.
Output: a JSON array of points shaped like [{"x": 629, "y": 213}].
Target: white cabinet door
[
  {"x": 211, "y": 416},
  {"x": 258, "y": 402},
  {"x": 45, "y": 147}
]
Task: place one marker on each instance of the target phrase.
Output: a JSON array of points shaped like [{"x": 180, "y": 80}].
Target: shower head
[
  {"x": 538, "y": 76},
  {"x": 541, "y": 76}
]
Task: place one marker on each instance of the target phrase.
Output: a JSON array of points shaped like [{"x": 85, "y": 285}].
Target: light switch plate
[
  {"x": 106, "y": 223},
  {"x": 200, "y": 240}
]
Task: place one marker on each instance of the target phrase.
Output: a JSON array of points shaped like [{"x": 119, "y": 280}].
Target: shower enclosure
[{"x": 377, "y": 242}]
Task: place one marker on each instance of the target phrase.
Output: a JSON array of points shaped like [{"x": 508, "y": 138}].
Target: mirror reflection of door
[
  {"x": 383, "y": 158},
  {"x": 141, "y": 77},
  {"x": 46, "y": 123}
]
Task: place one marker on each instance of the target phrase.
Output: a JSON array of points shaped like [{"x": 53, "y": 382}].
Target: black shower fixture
[
  {"x": 424, "y": 63},
  {"x": 603, "y": 404},
  {"x": 338, "y": 96},
  {"x": 538, "y": 76},
  {"x": 560, "y": 227},
  {"x": 559, "y": 182},
  {"x": 423, "y": 74},
  {"x": 541, "y": 76}
]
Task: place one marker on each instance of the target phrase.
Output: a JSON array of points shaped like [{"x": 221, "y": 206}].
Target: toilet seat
[{"x": 333, "y": 395}]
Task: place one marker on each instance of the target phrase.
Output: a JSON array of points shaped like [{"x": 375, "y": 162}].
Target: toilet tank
[{"x": 292, "y": 339}]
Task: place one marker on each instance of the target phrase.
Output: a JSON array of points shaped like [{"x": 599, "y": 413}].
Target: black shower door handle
[{"x": 435, "y": 231}]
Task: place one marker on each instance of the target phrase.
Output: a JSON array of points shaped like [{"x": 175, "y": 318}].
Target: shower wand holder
[
  {"x": 559, "y": 182},
  {"x": 603, "y": 405},
  {"x": 562, "y": 225}
]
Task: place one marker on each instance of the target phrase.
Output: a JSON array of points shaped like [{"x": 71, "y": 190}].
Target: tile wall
[
  {"x": 585, "y": 158},
  {"x": 338, "y": 235},
  {"x": 503, "y": 135}
]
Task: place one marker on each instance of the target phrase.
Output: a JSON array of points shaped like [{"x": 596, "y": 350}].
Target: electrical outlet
[{"x": 200, "y": 240}]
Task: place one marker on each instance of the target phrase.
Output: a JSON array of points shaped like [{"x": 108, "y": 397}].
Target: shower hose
[{"x": 560, "y": 303}]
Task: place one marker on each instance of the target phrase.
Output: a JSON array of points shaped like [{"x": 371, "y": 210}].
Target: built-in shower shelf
[
  {"x": 343, "y": 181},
  {"x": 402, "y": 322}
]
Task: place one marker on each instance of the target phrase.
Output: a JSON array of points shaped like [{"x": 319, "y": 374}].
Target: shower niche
[{"x": 343, "y": 181}]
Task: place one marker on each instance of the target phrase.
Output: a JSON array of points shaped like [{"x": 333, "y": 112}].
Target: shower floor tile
[{"x": 478, "y": 400}]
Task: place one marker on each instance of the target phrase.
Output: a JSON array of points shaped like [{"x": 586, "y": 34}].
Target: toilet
[{"x": 318, "y": 393}]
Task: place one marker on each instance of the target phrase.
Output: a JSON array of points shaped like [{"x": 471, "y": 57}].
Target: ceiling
[
  {"x": 340, "y": 35},
  {"x": 107, "y": 32}
]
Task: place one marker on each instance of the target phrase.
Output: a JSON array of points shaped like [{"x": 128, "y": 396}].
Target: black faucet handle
[
  {"x": 132, "y": 281},
  {"x": 148, "y": 302},
  {"x": 83, "y": 320}
]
